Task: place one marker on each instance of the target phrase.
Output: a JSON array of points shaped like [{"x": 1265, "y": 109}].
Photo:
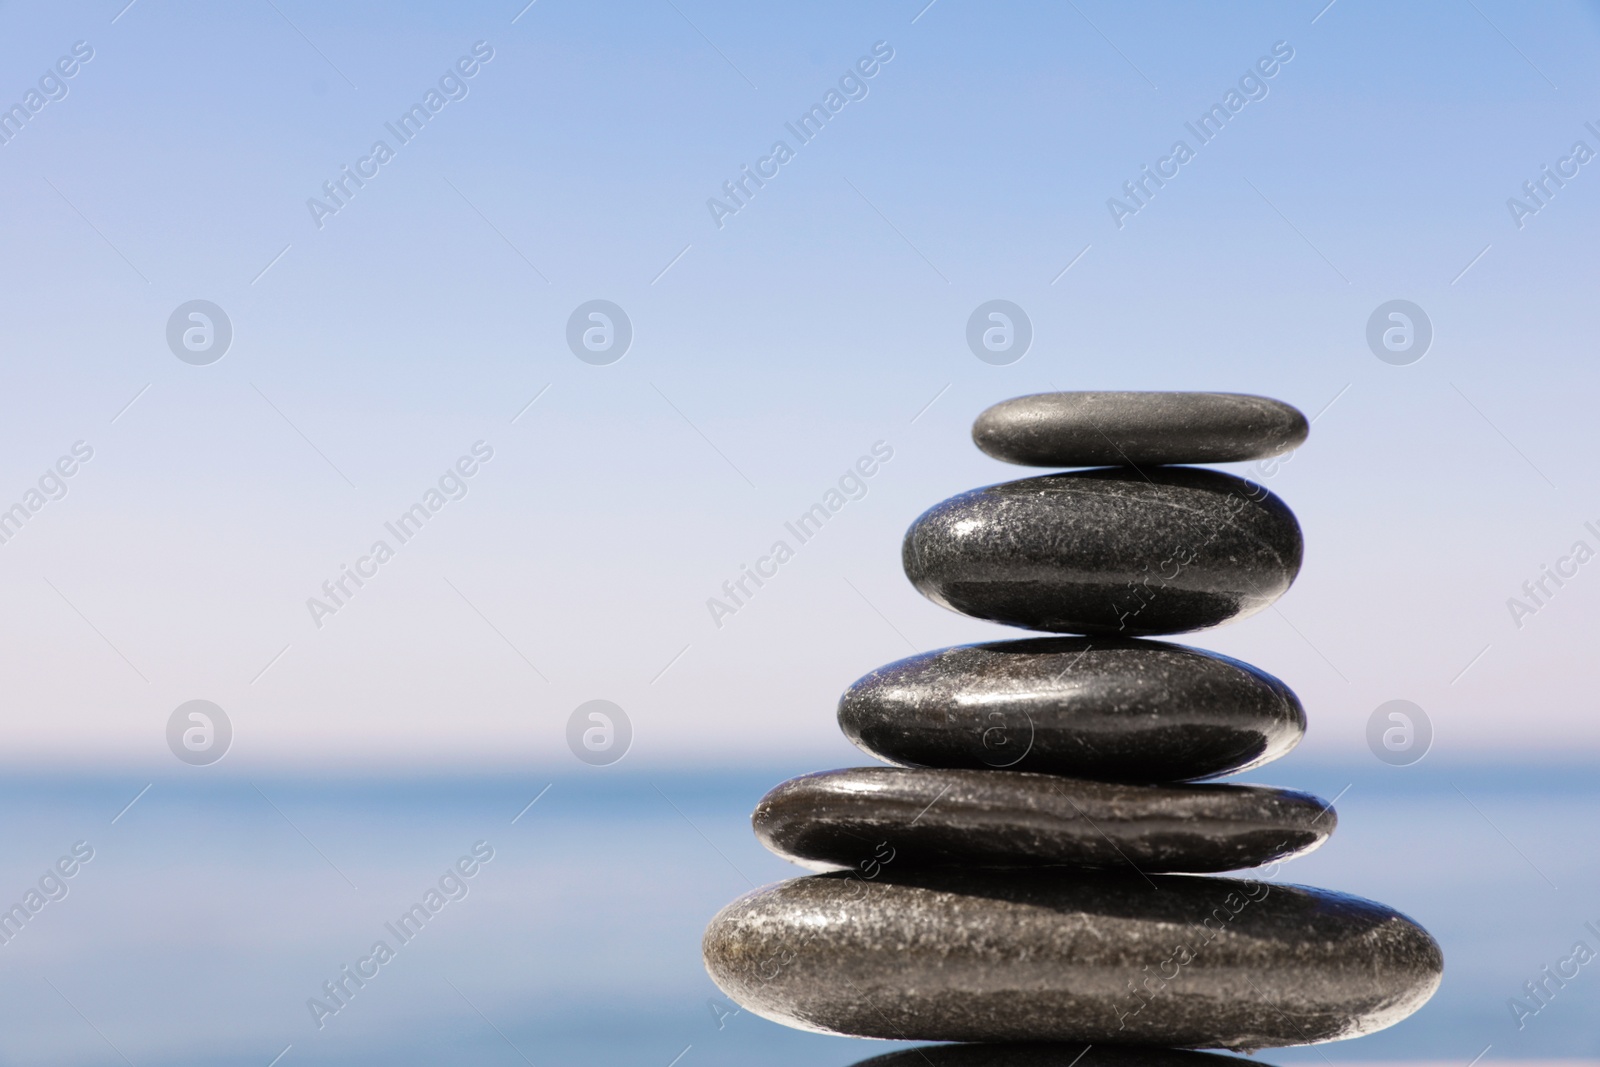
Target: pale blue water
[{"x": 207, "y": 918}]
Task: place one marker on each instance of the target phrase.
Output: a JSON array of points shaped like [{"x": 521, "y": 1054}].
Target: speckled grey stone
[
  {"x": 1095, "y": 429},
  {"x": 1052, "y": 1054},
  {"x": 1178, "y": 960},
  {"x": 866, "y": 818},
  {"x": 1112, "y": 551},
  {"x": 1091, "y": 707}
]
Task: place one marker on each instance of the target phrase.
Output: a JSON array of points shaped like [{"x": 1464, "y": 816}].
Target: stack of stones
[{"x": 1038, "y": 865}]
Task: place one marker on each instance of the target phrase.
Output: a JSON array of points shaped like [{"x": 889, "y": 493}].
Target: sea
[{"x": 222, "y": 917}]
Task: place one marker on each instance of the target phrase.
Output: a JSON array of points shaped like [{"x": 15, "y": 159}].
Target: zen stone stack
[{"x": 1037, "y": 866}]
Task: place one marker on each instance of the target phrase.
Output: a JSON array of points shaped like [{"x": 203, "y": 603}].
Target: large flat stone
[
  {"x": 1052, "y": 1054},
  {"x": 866, "y": 818},
  {"x": 1112, "y": 551},
  {"x": 1176, "y": 960},
  {"x": 1090, "y": 707},
  {"x": 1095, "y": 429}
]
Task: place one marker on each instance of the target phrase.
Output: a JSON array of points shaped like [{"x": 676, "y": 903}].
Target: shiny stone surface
[
  {"x": 1110, "y": 709},
  {"x": 1140, "y": 429},
  {"x": 1177, "y": 960},
  {"x": 869, "y": 818},
  {"x": 1111, "y": 552}
]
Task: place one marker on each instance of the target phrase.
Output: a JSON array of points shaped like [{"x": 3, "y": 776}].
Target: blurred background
[{"x": 574, "y": 368}]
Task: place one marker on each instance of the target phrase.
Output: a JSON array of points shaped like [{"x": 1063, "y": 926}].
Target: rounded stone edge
[
  {"x": 1401, "y": 925},
  {"x": 726, "y": 978},
  {"x": 1284, "y": 692}
]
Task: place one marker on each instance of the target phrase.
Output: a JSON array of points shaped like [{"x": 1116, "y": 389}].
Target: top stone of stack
[{"x": 1135, "y": 429}]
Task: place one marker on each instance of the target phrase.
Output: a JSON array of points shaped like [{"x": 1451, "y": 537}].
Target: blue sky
[{"x": 768, "y": 354}]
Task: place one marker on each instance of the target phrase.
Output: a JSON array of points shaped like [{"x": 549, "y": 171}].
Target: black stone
[
  {"x": 1176, "y": 960},
  {"x": 1052, "y": 1054},
  {"x": 1090, "y": 707},
  {"x": 1137, "y": 429},
  {"x": 1112, "y": 551},
  {"x": 866, "y": 818}
]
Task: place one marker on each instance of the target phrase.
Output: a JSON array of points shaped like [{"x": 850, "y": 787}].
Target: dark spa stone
[
  {"x": 1052, "y": 1054},
  {"x": 1176, "y": 960},
  {"x": 1090, "y": 707},
  {"x": 1137, "y": 429},
  {"x": 869, "y": 818},
  {"x": 1111, "y": 551}
]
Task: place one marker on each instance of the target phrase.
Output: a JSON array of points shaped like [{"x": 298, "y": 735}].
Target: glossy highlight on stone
[
  {"x": 1184, "y": 961},
  {"x": 1137, "y": 429},
  {"x": 868, "y": 818},
  {"x": 1090, "y": 707},
  {"x": 1110, "y": 551}
]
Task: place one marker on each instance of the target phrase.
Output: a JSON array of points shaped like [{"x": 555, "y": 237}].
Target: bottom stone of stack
[
  {"x": 1171, "y": 960},
  {"x": 1039, "y": 1054}
]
